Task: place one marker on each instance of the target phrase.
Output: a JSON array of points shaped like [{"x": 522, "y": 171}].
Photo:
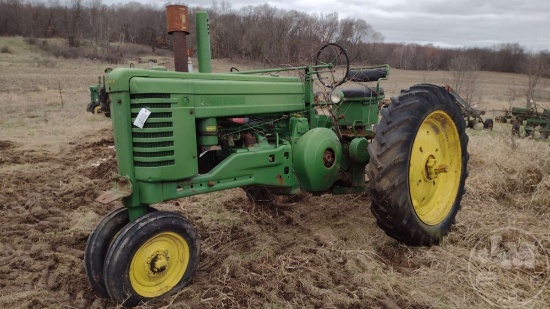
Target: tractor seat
[
  {"x": 362, "y": 92},
  {"x": 367, "y": 75}
]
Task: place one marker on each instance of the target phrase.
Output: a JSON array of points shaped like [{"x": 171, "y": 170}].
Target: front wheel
[
  {"x": 488, "y": 124},
  {"x": 418, "y": 165},
  {"x": 98, "y": 244},
  {"x": 152, "y": 257},
  {"x": 96, "y": 110}
]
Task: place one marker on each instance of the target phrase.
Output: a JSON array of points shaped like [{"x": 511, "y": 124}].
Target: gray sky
[{"x": 446, "y": 23}]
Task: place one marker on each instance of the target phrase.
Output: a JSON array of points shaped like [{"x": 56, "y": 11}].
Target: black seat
[
  {"x": 367, "y": 75},
  {"x": 362, "y": 92}
]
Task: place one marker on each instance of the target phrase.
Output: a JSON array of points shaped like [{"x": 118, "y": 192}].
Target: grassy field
[{"x": 312, "y": 252}]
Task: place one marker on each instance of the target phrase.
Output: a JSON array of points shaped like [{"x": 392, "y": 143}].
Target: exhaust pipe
[{"x": 177, "y": 19}]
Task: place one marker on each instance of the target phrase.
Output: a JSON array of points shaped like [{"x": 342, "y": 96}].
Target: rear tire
[{"x": 418, "y": 165}]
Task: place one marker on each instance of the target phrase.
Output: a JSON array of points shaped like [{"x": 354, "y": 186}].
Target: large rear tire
[{"x": 418, "y": 165}]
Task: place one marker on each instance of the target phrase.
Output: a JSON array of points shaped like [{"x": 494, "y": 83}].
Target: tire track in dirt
[
  {"x": 46, "y": 199},
  {"x": 295, "y": 253}
]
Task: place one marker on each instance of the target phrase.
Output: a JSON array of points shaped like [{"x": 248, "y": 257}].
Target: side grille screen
[{"x": 153, "y": 145}]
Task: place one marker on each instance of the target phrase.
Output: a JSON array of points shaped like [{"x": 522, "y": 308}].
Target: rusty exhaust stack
[{"x": 178, "y": 26}]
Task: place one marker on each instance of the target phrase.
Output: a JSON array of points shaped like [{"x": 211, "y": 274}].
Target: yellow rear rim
[
  {"x": 159, "y": 264},
  {"x": 435, "y": 168}
]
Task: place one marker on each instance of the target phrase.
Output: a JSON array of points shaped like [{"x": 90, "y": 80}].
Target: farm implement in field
[
  {"x": 532, "y": 118},
  {"x": 179, "y": 134},
  {"x": 471, "y": 115}
]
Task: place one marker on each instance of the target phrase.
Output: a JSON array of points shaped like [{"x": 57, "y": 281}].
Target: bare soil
[{"x": 304, "y": 252}]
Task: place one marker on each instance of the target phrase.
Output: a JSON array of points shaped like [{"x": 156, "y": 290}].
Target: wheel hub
[
  {"x": 328, "y": 158},
  {"x": 432, "y": 170},
  {"x": 158, "y": 263}
]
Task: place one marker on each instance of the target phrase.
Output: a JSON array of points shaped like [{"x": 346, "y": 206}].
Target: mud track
[
  {"x": 253, "y": 255},
  {"x": 303, "y": 252}
]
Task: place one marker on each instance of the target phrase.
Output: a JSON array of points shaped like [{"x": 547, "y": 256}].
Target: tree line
[{"x": 258, "y": 33}]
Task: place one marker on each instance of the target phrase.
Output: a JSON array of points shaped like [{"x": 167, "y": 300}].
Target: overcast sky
[{"x": 446, "y": 23}]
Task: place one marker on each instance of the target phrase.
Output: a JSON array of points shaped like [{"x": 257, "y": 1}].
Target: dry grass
[{"x": 322, "y": 252}]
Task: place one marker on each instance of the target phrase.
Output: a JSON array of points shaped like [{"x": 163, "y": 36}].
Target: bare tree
[
  {"x": 403, "y": 56},
  {"x": 536, "y": 67},
  {"x": 358, "y": 37},
  {"x": 74, "y": 24},
  {"x": 465, "y": 75}
]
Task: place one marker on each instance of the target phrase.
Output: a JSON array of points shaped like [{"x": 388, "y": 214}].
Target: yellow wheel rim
[
  {"x": 97, "y": 109},
  {"x": 435, "y": 168},
  {"x": 159, "y": 264}
]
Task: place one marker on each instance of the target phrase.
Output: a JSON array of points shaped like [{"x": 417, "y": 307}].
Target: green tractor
[
  {"x": 94, "y": 106},
  {"x": 179, "y": 134},
  {"x": 99, "y": 100}
]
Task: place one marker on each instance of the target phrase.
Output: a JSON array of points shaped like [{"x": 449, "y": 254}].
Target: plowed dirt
[{"x": 303, "y": 252}]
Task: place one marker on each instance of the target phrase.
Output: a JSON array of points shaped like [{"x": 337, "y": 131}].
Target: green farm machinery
[
  {"x": 99, "y": 100},
  {"x": 179, "y": 134},
  {"x": 533, "y": 119},
  {"x": 471, "y": 115},
  {"x": 94, "y": 106}
]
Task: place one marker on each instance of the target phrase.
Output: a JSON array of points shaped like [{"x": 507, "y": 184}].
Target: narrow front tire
[{"x": 153, "y": 257}]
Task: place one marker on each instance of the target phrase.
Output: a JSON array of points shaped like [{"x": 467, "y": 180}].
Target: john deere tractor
[
  {"x": 99, "y": 100},
  {"x": 179, "y": 134},
  {"x": 94, "y": 106}
]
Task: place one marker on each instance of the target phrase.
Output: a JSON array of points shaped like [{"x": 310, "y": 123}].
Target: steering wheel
[{"x": 336, "y": 57}]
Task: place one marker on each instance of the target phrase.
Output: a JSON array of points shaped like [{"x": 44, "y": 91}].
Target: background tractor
[
  {"x": 94, "y": 106},
  {"x": 179, "y": 134},
  {"x": 99, "y": 100}
]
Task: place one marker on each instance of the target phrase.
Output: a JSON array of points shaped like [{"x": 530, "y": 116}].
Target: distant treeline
[{"x": 259, "y": 33}]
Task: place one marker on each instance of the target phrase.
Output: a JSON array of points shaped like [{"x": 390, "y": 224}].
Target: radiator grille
[
  {"x": 153, "y": 154},
  {"x": 152, "y": 135},
  {"x": 150, "y": 96},
  {"x": 154, "y": 164},
  {"x": 153, "y": 144},
  {"x": 154, "y": 115},
  {"x": 149, "y": 151},
  {"x": 151, "y": 105},
  {"x": 148, "y": 125}
]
